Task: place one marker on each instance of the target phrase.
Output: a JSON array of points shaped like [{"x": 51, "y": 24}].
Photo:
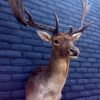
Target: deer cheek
[{"x": 63, "y": 52}]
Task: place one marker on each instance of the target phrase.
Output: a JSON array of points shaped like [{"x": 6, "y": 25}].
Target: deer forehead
[{"x": 63, "y": 37}]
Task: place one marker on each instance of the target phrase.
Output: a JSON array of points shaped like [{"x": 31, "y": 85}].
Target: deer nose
[{"x": 74, "y": 51}]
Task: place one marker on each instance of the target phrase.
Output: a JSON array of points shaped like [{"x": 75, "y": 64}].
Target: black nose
[{"x": 75, "y": 51}]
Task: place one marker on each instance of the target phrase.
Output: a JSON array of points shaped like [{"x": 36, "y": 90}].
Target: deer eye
[{"x": 56, "y": 42}]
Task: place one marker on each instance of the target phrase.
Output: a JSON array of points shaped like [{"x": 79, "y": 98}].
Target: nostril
[
  {"x": 74, "y": 52},
  {"x": 77, "y": 53},
  {"x": 71, "y": 50}
]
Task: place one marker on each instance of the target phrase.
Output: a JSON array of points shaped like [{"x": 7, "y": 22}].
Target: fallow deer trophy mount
[{"x": 46, "y": 83}]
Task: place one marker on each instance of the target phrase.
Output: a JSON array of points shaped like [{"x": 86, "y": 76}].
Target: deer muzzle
[{"x": 74, "y": 51}]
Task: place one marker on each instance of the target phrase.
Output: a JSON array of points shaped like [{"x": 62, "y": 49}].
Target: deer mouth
[
  {"x": 73, "y": 57},
  {"x": 73, "y": 53}
]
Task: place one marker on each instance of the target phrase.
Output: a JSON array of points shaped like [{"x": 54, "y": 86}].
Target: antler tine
[
  {"x": 85, "y": 11},
  {"x": 57, "y": 23},
  {"x": 19, "y": 11},
  {"x": 33, "y": 24},
  {"x": 83, "y": 28},
  {"x": 70, "y": 29}
]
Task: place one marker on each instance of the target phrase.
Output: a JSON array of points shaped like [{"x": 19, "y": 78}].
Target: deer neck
[{"x": 57, "y": 70}]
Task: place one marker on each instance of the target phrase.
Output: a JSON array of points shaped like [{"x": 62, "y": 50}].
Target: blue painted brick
[
  {"x": 20, "y": 61},
  {"x": 5, "y": 10},
  {"x": 32, "y": 55},
  {"x": 91, "y": 60},
  {"x": 92, "y": 70},
  {"x": 92, "y": 98},
  {"x": 98, "y": 97},
  {"x": 90, "y": 86},
  {"x": 10, "y": 53},
  {"x": 8, "y": 69},
  {"x": 83, "y": 98},
  {"x": 95, "y": 56},
  {"x": 77, "y": 88},
  {"x": 5, "y": 95},
  {"x": 70, "y": 95},
  {"x": 4, "y": 30},
  {"x": 5, "y": 77},
  {"x": 84, "y": 93},
  {"x": 75, "y": 75},
  {"x": 2, "y": 16},
  {"x": 48, "y": 11},
  {"x": 85, "y": 54},
  {"x": 18, "y": 98},
  {"x": 8, "y": 24},
  {"x": 75, "y": 64},
  {"x": 16, "y": 69},
  {"x": 42, "y": 49},
  {"x": 40, "y": 62},
  {"x": 19, "y": 77},
  {"x": 27, "y": 69},
  {"x": 18, "y": 94},
  {"x": 32, "y": 42},
  {"x": 5, "y": 69},
  {"x": 82, "y": 70},
  {"x": 98, "y": 85},
  {"x": 95, "y": 92},
  {"x": 4, "y": 45},
  {"x": 95, "y": 80},
  {"x": 71, "y": 81},
  {"x": 72, "y": 70},
  {"x": 97, "y": 75},
  {"x": 5, "y": 86},
  {"x": 10, "y": 38},
  {"x": 44, "y": 4},
  {"x": 96, "y": 65},
  {"x": 83, "y": 81},
  {"x": 3, "y": 3},
  {"x": 22, "y": 33},
  {"x": 88, "y": 75},
  {"x": 4, "y": 61},
  {"x": 87, "y": 64},
  {"x": 66, "y": 89},
  {"x": 47, "y": 44},
  {"x": 29, "y": 4},
  {"x": 21, "y": 47},
  {"x": 46, "y": 56}
]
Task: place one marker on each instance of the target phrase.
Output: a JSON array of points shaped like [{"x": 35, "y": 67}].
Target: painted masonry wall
[{"x": 21, "y": 49}]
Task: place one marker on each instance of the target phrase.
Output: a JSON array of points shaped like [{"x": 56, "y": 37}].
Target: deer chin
[{"x": 73, "y": 57}]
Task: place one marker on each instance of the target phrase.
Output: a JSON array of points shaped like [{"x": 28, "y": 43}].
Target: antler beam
[
  {"x": 19, "y": 11},
  {"x": 85, "y": 11}
]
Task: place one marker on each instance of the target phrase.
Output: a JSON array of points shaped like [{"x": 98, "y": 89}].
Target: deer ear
[
  {"x": 76, "y": 36},
  {"x": 44, "y": 36}
]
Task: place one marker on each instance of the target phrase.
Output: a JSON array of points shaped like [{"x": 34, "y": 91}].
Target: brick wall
[{"x": 21, "y": 49}]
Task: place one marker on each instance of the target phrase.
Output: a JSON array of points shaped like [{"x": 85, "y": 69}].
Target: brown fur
[{"x": 46, "y": 83}]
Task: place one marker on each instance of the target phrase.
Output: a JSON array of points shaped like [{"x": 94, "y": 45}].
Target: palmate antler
[
  {"x": 19, "y": 12},
  {"x": 83, "y": 25},
  {"x": 85, "y": 10}
]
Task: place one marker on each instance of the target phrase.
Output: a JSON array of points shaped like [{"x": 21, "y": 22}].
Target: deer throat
[{"x": 57, "y": 72}]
